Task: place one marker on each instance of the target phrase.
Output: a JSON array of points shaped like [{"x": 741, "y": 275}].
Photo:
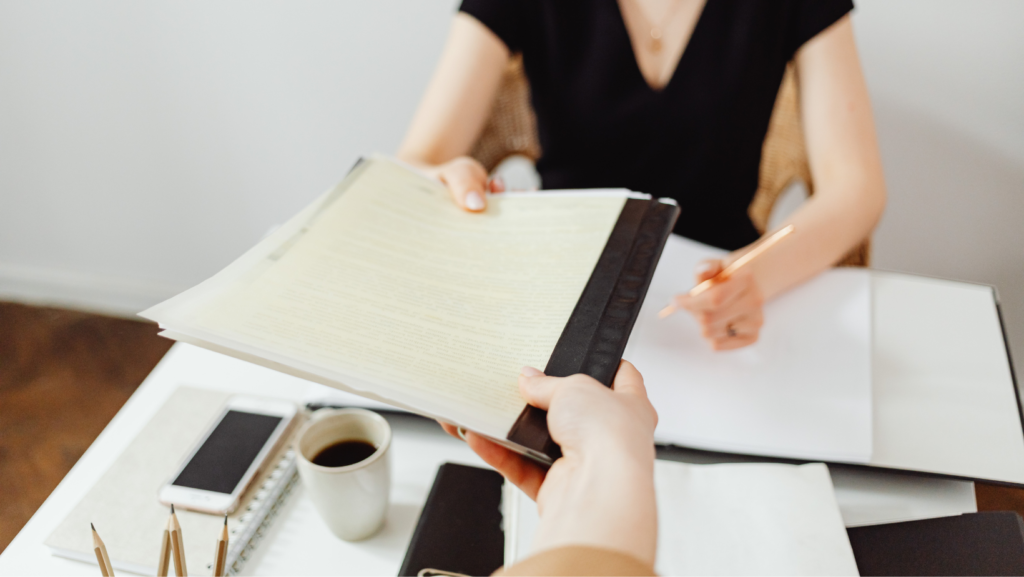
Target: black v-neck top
[{"x": 697, "y": 140}]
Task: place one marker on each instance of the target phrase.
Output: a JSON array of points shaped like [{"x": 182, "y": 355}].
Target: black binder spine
[{"x": 595, "y": 336}]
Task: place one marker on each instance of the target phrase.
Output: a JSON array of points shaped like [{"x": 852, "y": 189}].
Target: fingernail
[
  {"x": 498, "y": 182},
  {"x": 474, "y": 201},
  {"x": 530, "y": 372}
]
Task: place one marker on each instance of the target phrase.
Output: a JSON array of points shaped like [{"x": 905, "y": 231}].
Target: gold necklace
[{"x": 656, "y": 29}]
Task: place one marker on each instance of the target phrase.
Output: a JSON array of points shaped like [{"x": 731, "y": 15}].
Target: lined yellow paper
[{"x": 392, "y": 283}]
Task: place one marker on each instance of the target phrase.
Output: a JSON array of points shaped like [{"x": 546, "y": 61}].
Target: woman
[{"x": 672, "y": 98}]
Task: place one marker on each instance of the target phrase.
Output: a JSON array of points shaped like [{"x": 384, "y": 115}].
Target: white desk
[{"x": 299, "y": 543}]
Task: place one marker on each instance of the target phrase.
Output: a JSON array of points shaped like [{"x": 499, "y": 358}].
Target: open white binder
[
  {"x": 802, "y": 391},
  {"x": 930, "y": 389}
]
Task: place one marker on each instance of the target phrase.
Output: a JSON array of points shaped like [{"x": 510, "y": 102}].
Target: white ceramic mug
[{"x": 352, "y": 500}]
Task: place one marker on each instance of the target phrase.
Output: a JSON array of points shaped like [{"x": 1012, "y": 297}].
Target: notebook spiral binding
[{"x": 262, "y": 510}]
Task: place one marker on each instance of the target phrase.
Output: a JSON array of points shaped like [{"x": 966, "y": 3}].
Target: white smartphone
[{"x": 229, "y": 456}]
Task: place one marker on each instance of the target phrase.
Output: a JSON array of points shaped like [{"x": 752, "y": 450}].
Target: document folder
[
  {"x": 990, "y": 543},
  {"x": 460, "y": 528},
  {"x": 597, "y": 332},
  {"x": 385, "y": 288}
]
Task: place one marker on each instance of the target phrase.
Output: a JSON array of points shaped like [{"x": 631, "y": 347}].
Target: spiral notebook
[{"x": 124, "y": 507}]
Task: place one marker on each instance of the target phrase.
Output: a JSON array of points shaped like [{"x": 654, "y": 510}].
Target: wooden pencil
[
  {"x": 759, "y": 249},
  {"x": 221, "y": 555},
  {"x": 163, "y": 564},
  {"x": 101, "y": 553},
  {"x": 177, "y": 546}
]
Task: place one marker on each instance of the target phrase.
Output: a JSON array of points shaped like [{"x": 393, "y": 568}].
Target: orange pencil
[{"x": 759, "y": 249}]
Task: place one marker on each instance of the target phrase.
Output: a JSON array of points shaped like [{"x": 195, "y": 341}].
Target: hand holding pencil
[{"x": 727, "y": 301}]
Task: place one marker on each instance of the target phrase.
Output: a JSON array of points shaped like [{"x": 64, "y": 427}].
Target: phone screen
[{"x": 228, "y": 452}]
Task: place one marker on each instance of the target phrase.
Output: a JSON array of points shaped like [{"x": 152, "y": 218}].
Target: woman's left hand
[{"x": 730, "y": 313}]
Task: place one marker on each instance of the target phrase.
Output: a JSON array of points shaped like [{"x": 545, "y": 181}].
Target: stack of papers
[{"x": 385, "y": 288}]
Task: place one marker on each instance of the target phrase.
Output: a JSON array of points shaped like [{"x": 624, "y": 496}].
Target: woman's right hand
[{"x": 467, "y": 182}]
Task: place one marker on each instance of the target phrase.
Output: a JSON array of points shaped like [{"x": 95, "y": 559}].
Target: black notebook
[
  {"x": 385, "y": 288},
  {"x": 460, "y": 529},
  {"x": 989, "y": 543}
]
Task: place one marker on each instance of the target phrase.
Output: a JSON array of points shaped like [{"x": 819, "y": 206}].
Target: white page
[
  {"x": 944, "y": 395},
  {"x": 873, "y": 496},
  {"x": 749, "y": 519},
  {"x": 865, "y": 497},
  {"x": 736, "y": 519},
  {"x": 802, "y": 391}
]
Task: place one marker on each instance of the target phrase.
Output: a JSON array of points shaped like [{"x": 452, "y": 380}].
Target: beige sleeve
[{"x": 579, "y": 560}]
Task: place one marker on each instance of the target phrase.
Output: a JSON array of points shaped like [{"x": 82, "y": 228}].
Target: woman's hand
[
  {"x": 601, "y": 492},
  {"x": 467, "y": 182},
  {"x": 731, "y": 312}
]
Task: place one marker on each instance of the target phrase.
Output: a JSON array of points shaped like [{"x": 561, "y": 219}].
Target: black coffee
[{"x": 344, "y": 453}]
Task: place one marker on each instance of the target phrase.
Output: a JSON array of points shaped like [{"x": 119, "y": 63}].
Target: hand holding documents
[{"x": 385, "y": 288}]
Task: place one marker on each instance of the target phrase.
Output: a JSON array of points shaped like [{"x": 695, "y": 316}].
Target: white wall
[
  {"x": 145, "y": 145},
  {"x": 947, "y": 85}
]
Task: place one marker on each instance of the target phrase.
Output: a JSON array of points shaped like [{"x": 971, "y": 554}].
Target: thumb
[
  {"x": 628, "y": 380},
  {"x": 706, "y": 269},
  {"x": 536, "y": 387}
]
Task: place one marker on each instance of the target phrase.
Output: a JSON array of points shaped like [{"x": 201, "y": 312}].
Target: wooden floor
[{"x": 63, "y": 376}]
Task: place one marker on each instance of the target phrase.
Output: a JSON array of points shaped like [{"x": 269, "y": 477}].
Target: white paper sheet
[
  {"x": 873, "y": 497},
  {"x": 802, "y": 391},
  {"x": 944, "y": 394},
  {"x": 736, "y": 519}
]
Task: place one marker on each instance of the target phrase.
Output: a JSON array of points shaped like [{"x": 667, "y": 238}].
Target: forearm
[
  {"x": 458, "y": 99},
  {"x": 610, "y": 504},
  {"x": 842, "y": 150},
  {"x": 827, "y": 227}
]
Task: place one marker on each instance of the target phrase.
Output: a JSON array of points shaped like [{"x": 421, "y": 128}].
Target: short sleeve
[
  {"x": 814, "y": 16},
  {"x": 504, "y": 17}
]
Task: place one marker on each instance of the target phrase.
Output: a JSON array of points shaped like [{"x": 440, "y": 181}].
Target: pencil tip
[
  {"x": 93, "y": 526},
  {"x": 225, "y": 520},
  {"x": 172, "y": 508}
]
